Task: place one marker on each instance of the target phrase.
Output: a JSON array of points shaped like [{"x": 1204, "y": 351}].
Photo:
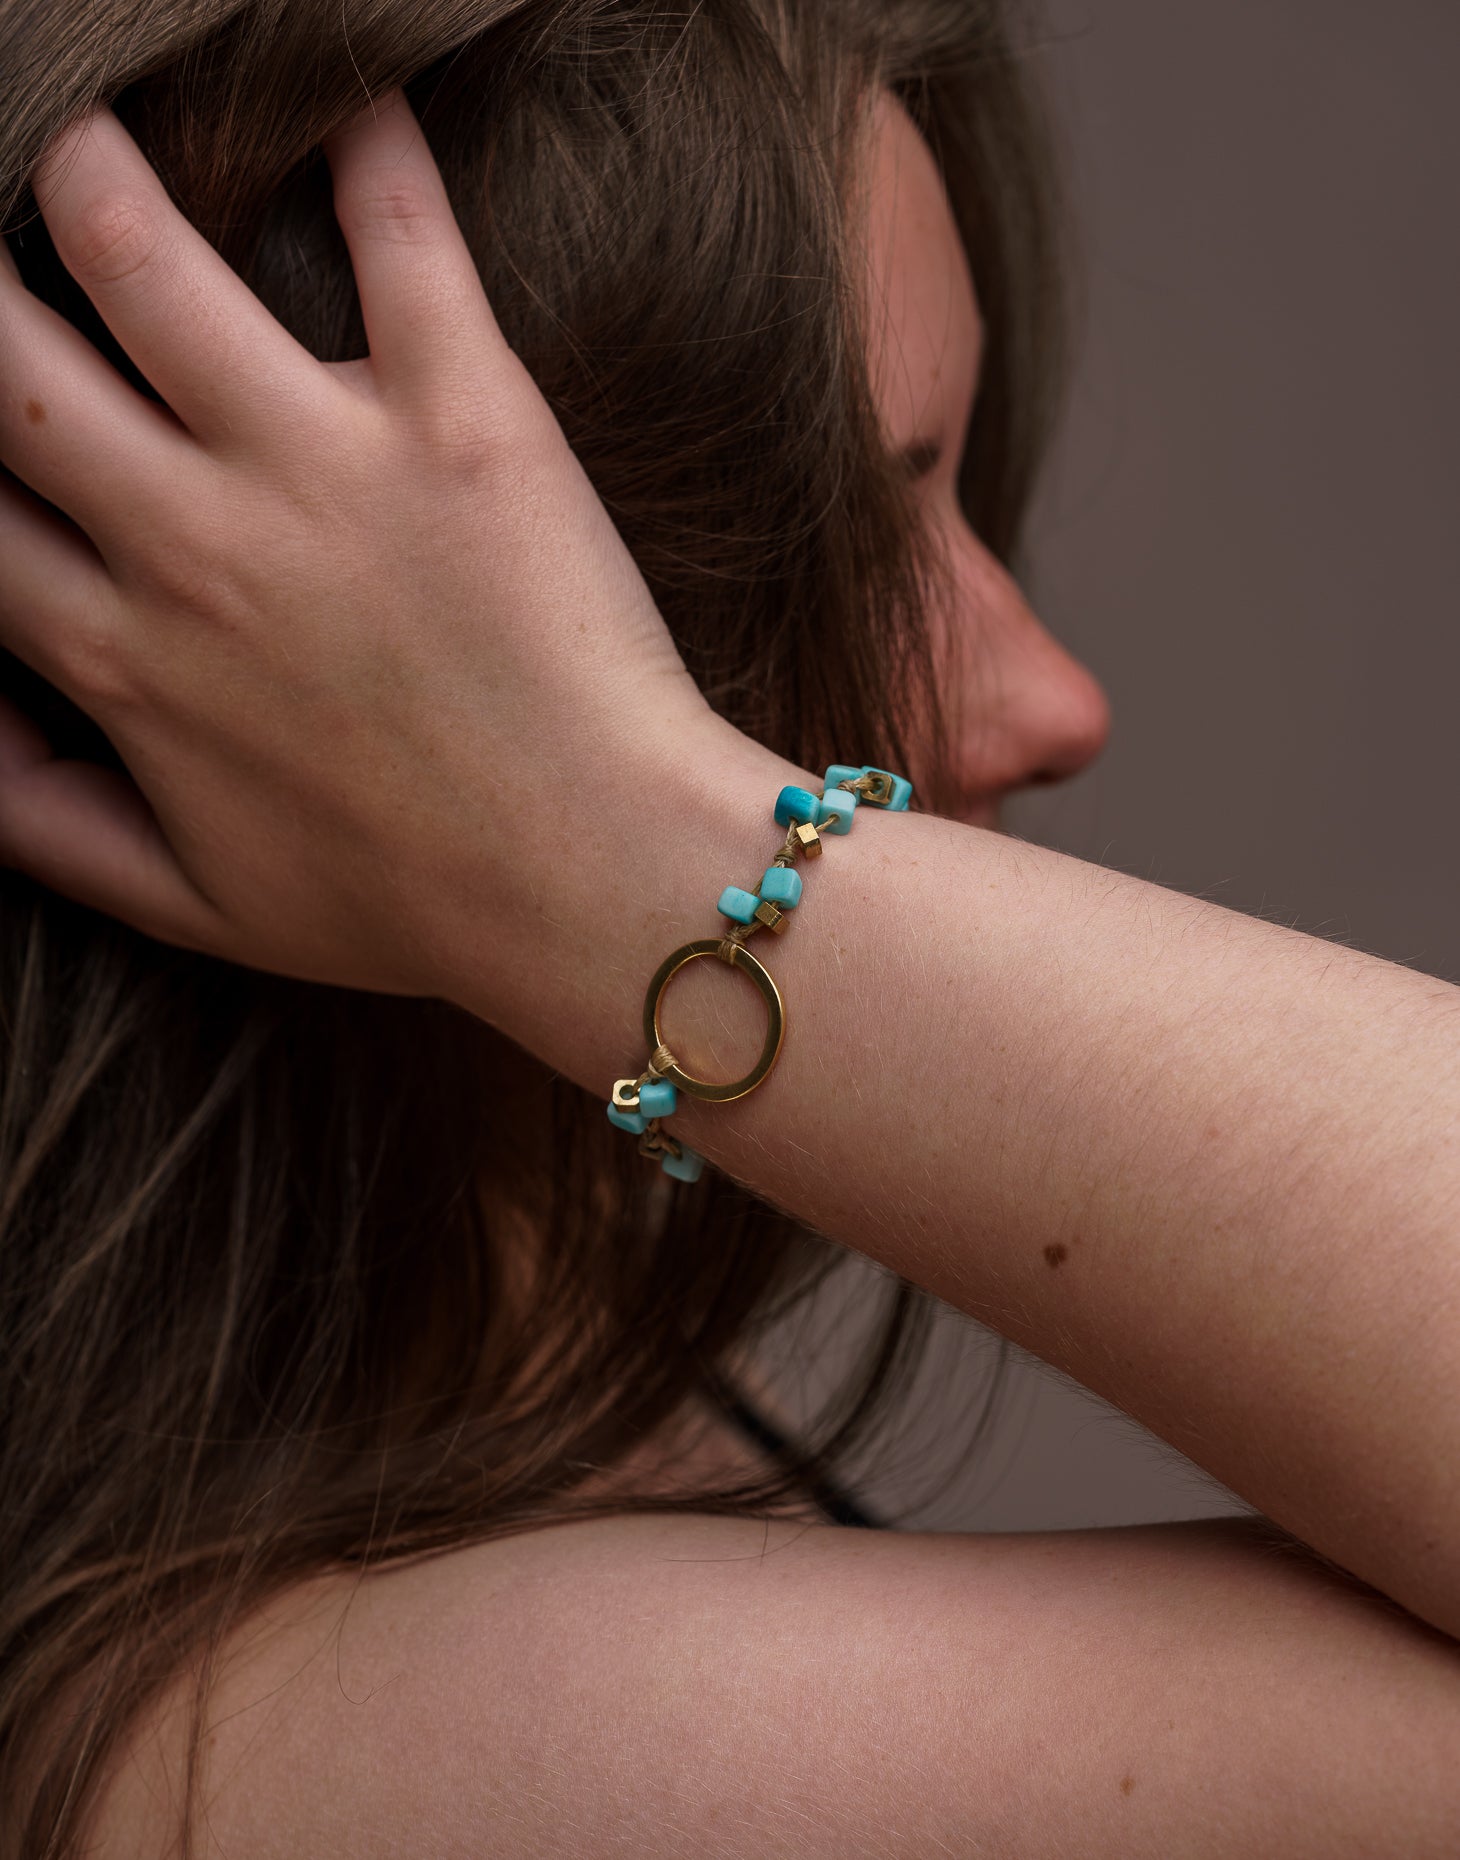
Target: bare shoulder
[{"x": 723, "y": 1688}]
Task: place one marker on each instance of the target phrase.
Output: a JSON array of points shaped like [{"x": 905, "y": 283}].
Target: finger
[
  {"x": 88, "y": 833},
  {"x": 229, "y": 371},
  {"x": 78, "y": 434},
  {"x": 22, "y": 741},
  {"x": 57, "y": 601},
  {"x": 430, "y": 328}
]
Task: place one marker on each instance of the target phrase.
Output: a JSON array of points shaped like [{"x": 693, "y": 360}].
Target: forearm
[{"x": 1206, "y": 1165}]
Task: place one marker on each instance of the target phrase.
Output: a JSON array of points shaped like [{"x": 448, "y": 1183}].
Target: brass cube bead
[
  {"x": 810, "y": 839},
  {"x": 772, "y": 916}
]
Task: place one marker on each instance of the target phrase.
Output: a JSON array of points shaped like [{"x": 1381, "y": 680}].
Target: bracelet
[{"x": 640, "y": 1105}]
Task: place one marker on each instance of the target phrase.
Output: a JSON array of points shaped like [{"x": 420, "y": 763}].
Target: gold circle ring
[{"x": 775, "y": 1030}]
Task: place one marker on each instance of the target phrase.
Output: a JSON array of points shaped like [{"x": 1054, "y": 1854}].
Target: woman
[{"x": 302, "y": 1281}]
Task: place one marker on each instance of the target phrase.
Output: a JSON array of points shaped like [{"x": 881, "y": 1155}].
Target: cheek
[
  {"x": 1019, "y": 707},
  {"x": 973, "y": 604},
  {"x": 963, "y": 628}
]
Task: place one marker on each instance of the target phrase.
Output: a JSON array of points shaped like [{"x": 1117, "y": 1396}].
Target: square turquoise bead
[
  {"x": 840, "y": 771},
  {"x": 795, "y": 804},
  {"x": 685, "y": 1167},
  {"x": 657, "y": 1098},
  {"x": 738, "y": 903},
  {"x": 835, "y": 811},
  {"x": 633, "y": 1121},
  {"x": 781, "y": 885},
  {"x": 902, "y": 788}
]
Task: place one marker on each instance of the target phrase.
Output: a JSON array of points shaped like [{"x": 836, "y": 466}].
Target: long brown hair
[{"x": 259, "y": 1239}]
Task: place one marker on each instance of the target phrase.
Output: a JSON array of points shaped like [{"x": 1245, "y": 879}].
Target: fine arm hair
[
  {"x": 1202, "y": 1163},
  {"x": 262, "y": 1243},
  {"x": 278, "y": 1375}
]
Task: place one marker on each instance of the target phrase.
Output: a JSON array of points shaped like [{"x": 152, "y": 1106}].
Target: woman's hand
[{"x": 362, "y": 633}]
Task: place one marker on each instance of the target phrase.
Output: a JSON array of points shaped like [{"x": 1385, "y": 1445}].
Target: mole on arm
[
  {"x": 35, "y": 413},
  {"x": 1055, "y": 1256}
]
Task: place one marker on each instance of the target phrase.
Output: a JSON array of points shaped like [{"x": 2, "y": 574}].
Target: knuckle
[
  {"x": 182, "y": 552},
  {"x": 183, "y": 577},
  {"x": 391, "y": 207},
  {"x": 111, "y": 239},
  {"x": 462, "y": 441},
  {"x": 95, "y": 668},
  {"x": 480, "y": 436}
]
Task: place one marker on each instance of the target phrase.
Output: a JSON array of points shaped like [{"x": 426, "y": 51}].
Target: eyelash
[{"x": 920, "y": 460}]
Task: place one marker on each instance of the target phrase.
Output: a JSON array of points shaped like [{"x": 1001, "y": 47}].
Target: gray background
[{"x": 1249, "y": 532}]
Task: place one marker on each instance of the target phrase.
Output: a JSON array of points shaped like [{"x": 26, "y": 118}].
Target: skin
[
  {"x": 200, "y": 594},
  {"x": 1204, "y": 1164},
  {"x": 98, "y": 612},
  {"x": 144, "y": 851},
  {"x": 1023, "y": 709},
  {"x": 222, "y": 545}
]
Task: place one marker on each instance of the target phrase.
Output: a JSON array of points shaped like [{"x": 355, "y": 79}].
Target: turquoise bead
[
  {"x": 902, "y": 788},
  {"x": 835, "y": 811},
  {"x": 741, "y": 905},
  {"x": 781, "y": 886},
  {"x": 633, "y": 1121},
  {"x": 657, "y": 1098},
  {"x": 840, "y": 771},
  {"x": 685, "y": 1167},
  {"x": 793, "y": 804}
]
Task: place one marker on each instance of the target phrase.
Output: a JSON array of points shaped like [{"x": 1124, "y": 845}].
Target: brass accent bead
[
  {"x": 810, "y": 839},
  {"x": 626, "y": 1094},
  {"x": 772, "y": 916}
]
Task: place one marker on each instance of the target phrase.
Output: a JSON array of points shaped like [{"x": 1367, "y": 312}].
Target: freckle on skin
[
  {"x": 35, "y": 413},
  {"x": 1056, "y": 1256},
  {"x": 1127, "y": 1783}
]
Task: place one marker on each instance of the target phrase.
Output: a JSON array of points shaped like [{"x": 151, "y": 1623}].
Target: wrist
[{"x": 629, "y": 874}]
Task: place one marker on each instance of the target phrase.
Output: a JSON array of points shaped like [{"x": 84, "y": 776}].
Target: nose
[{"x": 1031, "y": 712}]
